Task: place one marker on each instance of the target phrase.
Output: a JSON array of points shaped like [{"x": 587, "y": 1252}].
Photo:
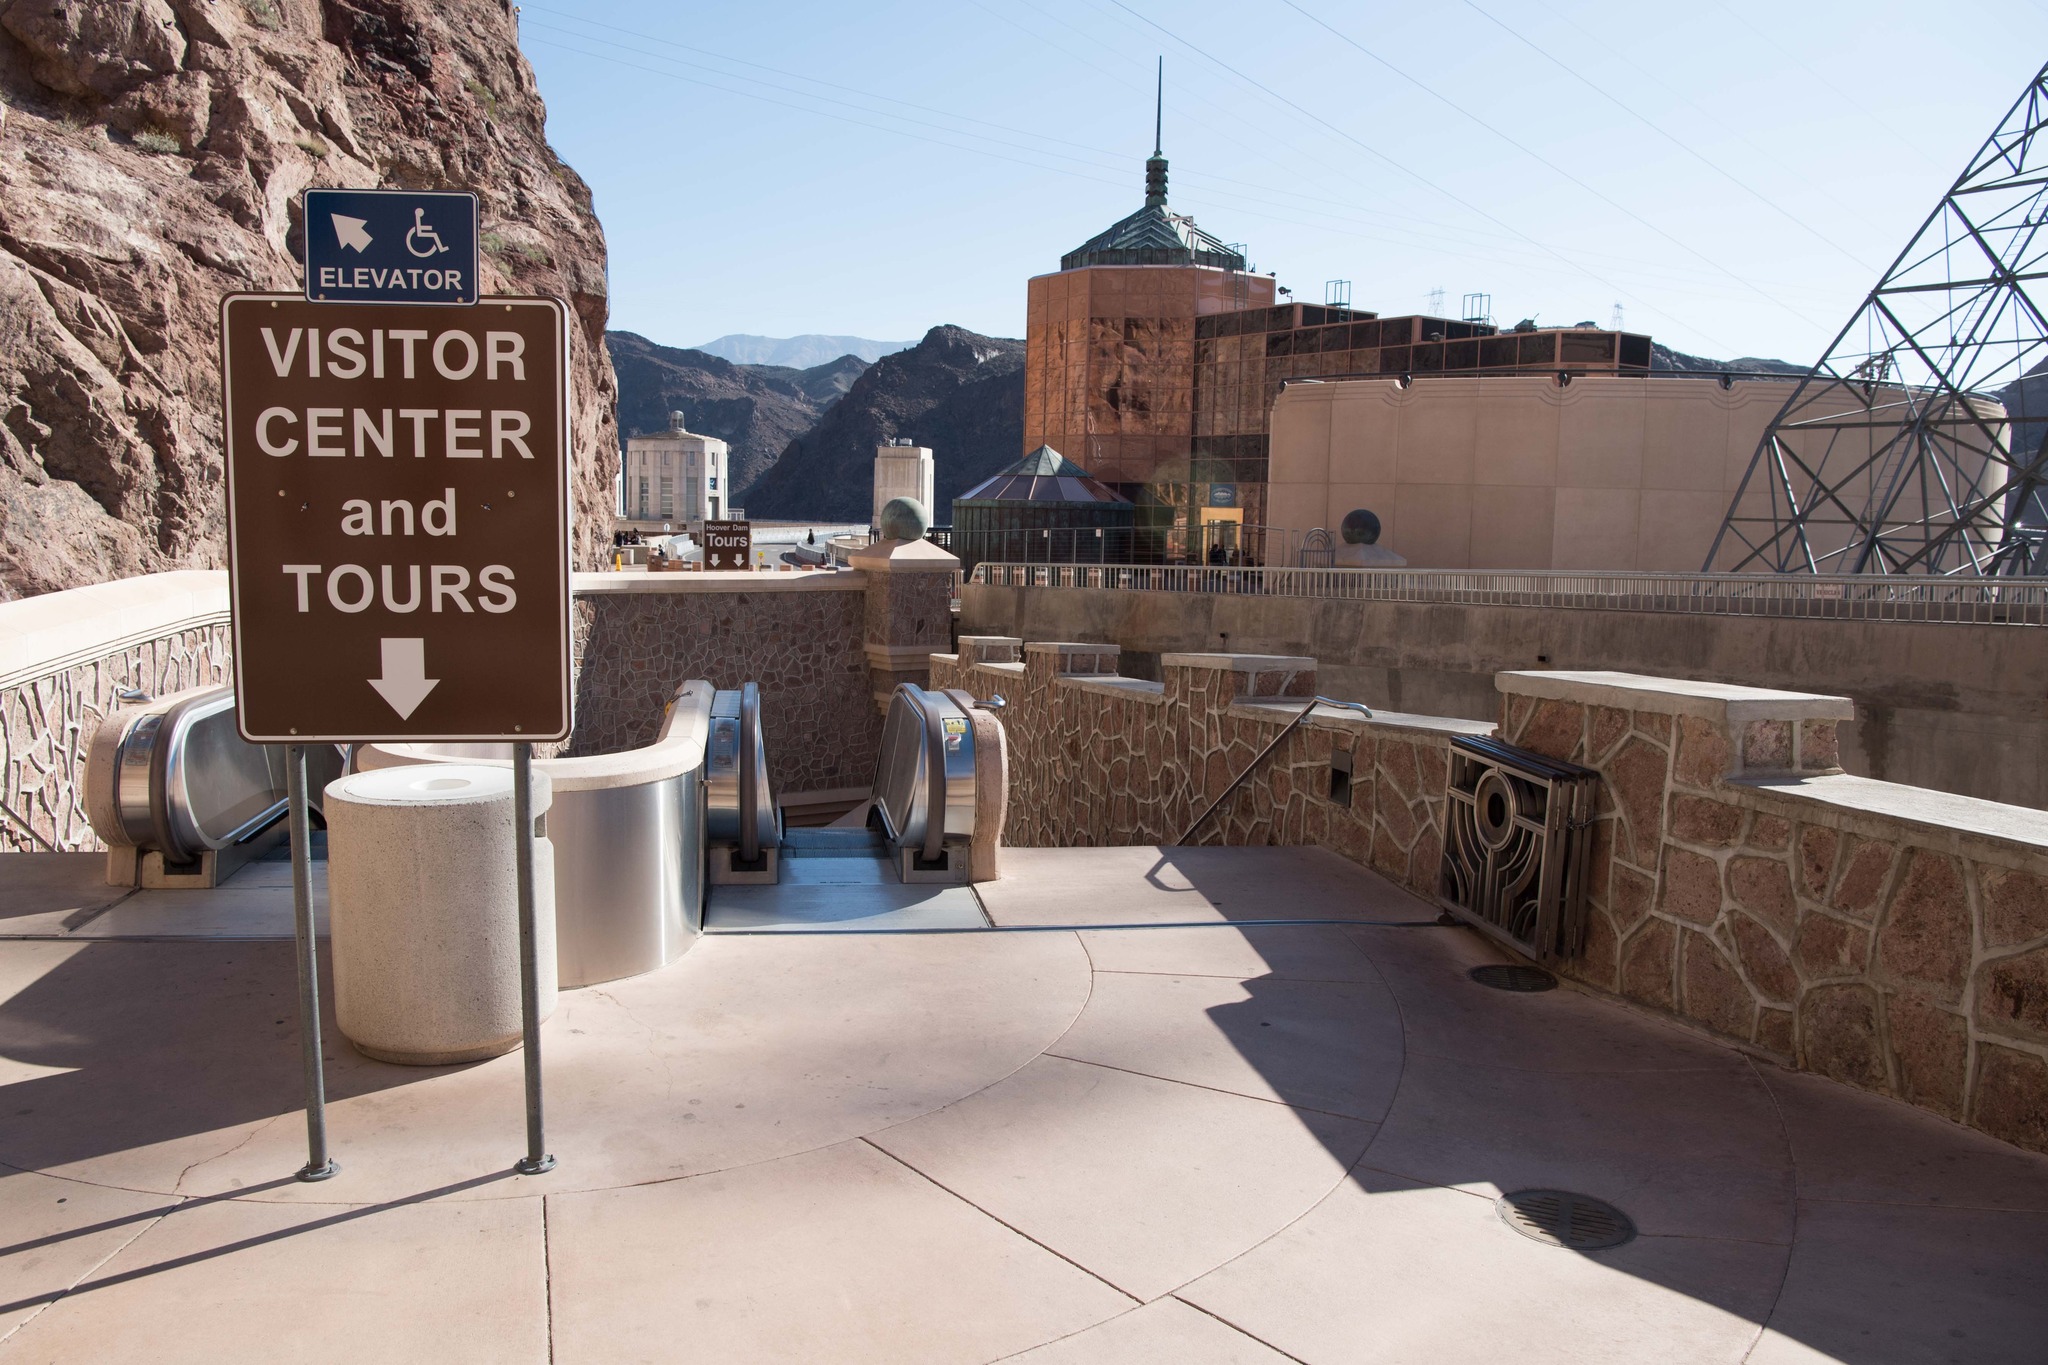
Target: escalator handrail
[
  {"x": 750, "y": 755},
  {"x": 935, "y": 778}
]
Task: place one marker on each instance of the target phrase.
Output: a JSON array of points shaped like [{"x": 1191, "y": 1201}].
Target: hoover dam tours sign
[
  {"x": 728, "y": 545},
  {"x": 398, "y": 517},
  {"x": 390, "y": 246}
]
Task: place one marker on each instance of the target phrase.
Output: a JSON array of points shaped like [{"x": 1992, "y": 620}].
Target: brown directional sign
[
  {"x": 728, "y": 545},
  {"x": 398, "y": 518}
]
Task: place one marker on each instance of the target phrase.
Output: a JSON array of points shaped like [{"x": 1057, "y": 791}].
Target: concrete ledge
[
  {"x": 897, "y": 657},
  {"x": 1865, "y": 806},
  {"x": 1240, "y": 663},
  {"x": 1060, "y": 646},
  {"x": 59, "y": 630},
  {"x": 1280, "y": 711},
  {"x": 904, "y": 556},
  {"x": 678, "y": 749},
  {"x": 1110, "y": 685},
  {"x": 724, "y": 581},
  {"x": 1005, "y": 670},
  {"x": 1727, "y": 703}
]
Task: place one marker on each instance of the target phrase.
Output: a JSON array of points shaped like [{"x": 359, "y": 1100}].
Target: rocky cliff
[
  {"x": 151, "y": 157},
  {"x": 956, "y": 391},
  {"x": 756, "y": 409}
]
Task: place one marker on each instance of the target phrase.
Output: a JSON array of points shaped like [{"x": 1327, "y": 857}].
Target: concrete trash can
[{"x": 423, "y": 903}]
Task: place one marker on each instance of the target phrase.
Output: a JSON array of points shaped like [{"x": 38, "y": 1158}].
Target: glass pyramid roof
[{"x": 1043, "y": 476}]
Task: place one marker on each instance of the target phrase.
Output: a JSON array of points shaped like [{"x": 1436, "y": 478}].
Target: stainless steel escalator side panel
[
  {"x": 132, "y": 780},
  {"x": 926, "y": 764},
  {"x": 722, "y": 769},
  {"x": 188, "y": 782},
  {"x": 957, "y": 735},
  {"x": 737, "y": 790},
  {"x": 625, "y": 902}
]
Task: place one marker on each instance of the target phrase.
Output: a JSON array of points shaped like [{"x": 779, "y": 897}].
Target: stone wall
[
  {"x": 65, "y": 658},
  {"x": 1945, "y": 704},
  {"x": 1889, "y": 937},
  {"x": 801, "y": 637},
  {"x": 47, "y": 725},
  {"x": 1100, "y": 759}
]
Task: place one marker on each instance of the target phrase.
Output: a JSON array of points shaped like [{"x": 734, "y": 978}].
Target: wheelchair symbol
[{"x": 429, "y": 238}]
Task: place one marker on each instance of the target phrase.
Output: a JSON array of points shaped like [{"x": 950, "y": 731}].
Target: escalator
[
  {"x": 180, "y": 798},
  {"x": 902, "y": 861}
]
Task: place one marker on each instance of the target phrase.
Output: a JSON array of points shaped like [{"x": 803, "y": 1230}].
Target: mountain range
[
  {"x": 798, "y": 353},
  {"x": 803, "y": 440},
  {"x": 956, "y": 391},
  {"x": 756, "y": 409}
]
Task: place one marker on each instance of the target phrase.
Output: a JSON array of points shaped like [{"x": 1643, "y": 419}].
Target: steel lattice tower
[{"x": 1891, "y": 456}]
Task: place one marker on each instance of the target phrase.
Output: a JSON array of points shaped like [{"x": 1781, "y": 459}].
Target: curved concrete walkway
[{"x": 1232, "y": 1142}]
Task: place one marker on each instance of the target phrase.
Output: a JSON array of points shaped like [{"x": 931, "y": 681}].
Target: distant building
[
  {"x": 1615, "y": 472},
  {"x": 674, "y": 476},
  {"x": 902, "y": 470},
  {"x": 1154, "y": 357},
  {"x": 1043, "y": 508}
]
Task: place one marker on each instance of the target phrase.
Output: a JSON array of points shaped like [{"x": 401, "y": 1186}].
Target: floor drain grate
[
  {"x": 1504, "y": 976},
  {"x": 1560, "y": 1218}
]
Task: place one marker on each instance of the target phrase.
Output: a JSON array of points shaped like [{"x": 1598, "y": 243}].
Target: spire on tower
[
  {"x": 1155, "y": 165},
  {"x": 1159, "y": 110}
]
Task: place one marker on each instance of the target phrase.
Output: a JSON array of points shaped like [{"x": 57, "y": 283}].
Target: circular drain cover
[
  {"x": 1505, "y": 976},
  {"x": 1560, "y": 1218}
]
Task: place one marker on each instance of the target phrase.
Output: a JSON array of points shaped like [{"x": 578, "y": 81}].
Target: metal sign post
[
  {"x": 537, "y": 1158},
  {"x": 398, "y": 514},
  {"x": 319, "y": 1165}
]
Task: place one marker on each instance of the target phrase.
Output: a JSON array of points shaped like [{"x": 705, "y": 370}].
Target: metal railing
[{"x": 1865, "y": 597}]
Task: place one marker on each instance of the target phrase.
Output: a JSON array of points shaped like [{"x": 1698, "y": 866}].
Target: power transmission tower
[{"x": 1892, "y": 454}]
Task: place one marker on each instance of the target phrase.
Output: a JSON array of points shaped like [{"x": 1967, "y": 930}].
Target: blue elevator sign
[{"x": 390, "y": 246}]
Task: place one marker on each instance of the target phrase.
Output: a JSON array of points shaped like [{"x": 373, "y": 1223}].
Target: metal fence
[{"x": 1867, "y": 597}]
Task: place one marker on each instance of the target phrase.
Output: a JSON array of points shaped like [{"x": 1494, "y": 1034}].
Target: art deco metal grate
[{"x": 1515, "y": 845}]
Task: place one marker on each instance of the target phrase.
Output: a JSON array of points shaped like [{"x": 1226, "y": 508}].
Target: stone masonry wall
[
  {"x": 47, "y": 725},
  {"x": 1886, "y": 936},
  {"x": 804, "y": 648},
  {"x": 1742, "y": 882},
  {"x": 1098, "y": 759}
]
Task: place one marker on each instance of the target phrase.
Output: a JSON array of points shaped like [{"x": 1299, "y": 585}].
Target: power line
[
  {"x": 1234, "y": 204},
  {"x": 1111, "y": 158},
  {"x": 1539, "y": 158},
  {"x": 1819, "y": 78},
  {"x": 1416, "y": 176},
  {"x": 1318, "y": 203},
  {"x": 1694, "y": 153}
]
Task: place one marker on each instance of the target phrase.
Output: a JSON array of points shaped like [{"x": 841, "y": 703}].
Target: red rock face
[{"x": 151, "y": 157}]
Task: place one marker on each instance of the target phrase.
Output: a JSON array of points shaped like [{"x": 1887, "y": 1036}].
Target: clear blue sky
[{"x": 1735, "y": 175}]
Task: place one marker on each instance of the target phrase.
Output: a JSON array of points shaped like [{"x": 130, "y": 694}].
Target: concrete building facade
[
  {"x": 1154, "y": 356},
  {"x": 902, "y": 470},
  {"x": 1619, "y": 472},
  {"x": 675, "y": 476}
]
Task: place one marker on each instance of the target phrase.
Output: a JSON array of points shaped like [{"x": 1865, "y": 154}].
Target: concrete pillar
[
  {"x": 424, "y": 906},
  {"x": 909, "y": 611}
]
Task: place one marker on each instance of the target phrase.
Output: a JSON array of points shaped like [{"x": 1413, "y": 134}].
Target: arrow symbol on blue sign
[
  {"x": 349, "y": 231},
  {"x": 405, "y": 683}
]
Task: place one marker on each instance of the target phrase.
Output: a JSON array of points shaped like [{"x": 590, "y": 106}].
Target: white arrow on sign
[
  {"x": 405, "y": 683},
  {"x": 349, "y": 231}
]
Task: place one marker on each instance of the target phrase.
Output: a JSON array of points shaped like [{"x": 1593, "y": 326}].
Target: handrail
[
  {"x": 1261, "y": 756},
  {"x": 1985, "y": 601},
  {"x": 750, "y": 762},
  {"x": 935, "y": 782}
]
